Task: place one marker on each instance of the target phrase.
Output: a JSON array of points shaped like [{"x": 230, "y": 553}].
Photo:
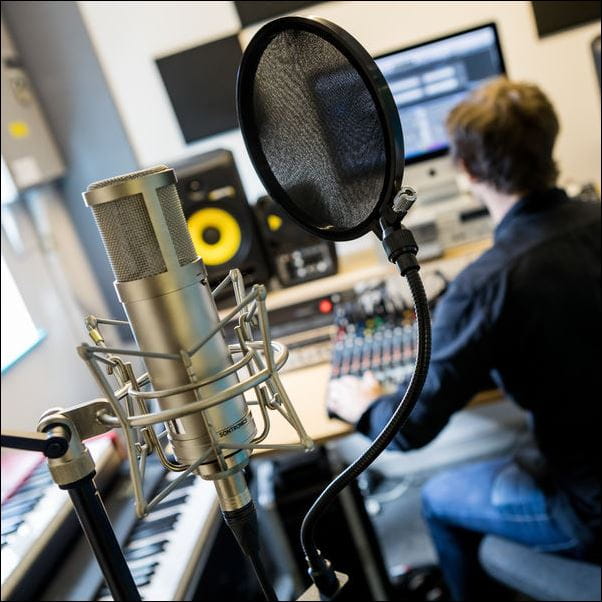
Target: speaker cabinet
[
  {"x": 220, "y": 221},
  {"x": 296, "y": 256}
]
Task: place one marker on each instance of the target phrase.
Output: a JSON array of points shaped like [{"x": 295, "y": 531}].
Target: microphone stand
[{"x": 72, "y": 468}]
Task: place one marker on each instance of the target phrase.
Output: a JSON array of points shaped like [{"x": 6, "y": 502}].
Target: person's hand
[{"x": 350, "y": 396}]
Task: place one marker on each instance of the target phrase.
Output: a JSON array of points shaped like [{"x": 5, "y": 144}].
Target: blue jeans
[{"x": 496, "y": 496}]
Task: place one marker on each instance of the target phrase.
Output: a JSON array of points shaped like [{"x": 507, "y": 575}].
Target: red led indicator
[{"x": 325, "y": 306}]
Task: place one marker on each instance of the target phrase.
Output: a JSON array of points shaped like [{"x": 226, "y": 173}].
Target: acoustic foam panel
[
  {"x": 201, "y": 84},
  {"x": 553, "y": 17},
  {"x": 252, "y": 12}
]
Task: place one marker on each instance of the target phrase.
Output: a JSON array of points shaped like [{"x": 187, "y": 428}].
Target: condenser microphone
[{"x": 164, "y": 291}]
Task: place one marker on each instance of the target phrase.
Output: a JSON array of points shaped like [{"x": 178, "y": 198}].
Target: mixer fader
[
  {"x": 369, "y": 326},
  {"x": 375, "y": 332}
]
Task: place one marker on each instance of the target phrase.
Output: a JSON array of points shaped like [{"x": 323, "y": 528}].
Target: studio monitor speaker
[
  {"x": 296, "y": 256},
  {"x": 220, "y": 221}
]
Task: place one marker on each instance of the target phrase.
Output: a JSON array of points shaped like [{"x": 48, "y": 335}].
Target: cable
[
  {"x": 262, "y": 576},
  {"x": 396, "y": 422},
  {"x": 245, "y": 528}
]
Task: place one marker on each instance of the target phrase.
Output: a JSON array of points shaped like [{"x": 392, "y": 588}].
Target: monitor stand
[
  {"x": 445, "y": 215},
  {"x": 434, "y": 180}
]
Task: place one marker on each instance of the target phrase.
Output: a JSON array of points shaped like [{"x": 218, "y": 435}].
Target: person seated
[{"x": 526, "y": 314}]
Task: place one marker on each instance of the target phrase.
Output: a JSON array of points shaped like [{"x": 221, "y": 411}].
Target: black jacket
[{"x": 527, "y": 315}]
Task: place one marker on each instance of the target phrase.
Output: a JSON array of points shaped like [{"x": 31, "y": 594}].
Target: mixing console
[
  {"x": 376, "y": 332},
  {"x": 368, "y": 327}
]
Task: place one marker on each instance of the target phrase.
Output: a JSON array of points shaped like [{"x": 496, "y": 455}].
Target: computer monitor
[{"x": 427, "y": 80}]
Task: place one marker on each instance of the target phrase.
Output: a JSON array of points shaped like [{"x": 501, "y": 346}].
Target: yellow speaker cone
[
  {"x": 274, "y": 222},
  {"x": 216, "y": 235}
]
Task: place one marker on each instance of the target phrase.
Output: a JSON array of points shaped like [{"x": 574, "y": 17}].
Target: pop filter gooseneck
[{"x": 323, "y": 132}]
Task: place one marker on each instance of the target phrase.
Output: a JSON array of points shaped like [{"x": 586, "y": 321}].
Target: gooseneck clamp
[{"x": 401, "y": 249}]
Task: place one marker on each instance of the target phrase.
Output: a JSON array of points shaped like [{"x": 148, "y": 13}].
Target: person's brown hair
[{"x": 504, "y": 134}]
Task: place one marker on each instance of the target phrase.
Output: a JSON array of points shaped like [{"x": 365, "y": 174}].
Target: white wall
[
  {"x": 130, "y": 35},
  {"x": 52, "y": 374}
]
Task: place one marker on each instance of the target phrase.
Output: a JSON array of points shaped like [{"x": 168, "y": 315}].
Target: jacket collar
[{"x": 532, "y": 203}]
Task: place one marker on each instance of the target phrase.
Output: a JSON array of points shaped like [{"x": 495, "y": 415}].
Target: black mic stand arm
[{"x": 60, "y": 439}]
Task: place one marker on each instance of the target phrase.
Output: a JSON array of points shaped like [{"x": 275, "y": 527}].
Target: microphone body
[{"x": 163, "y": 287}]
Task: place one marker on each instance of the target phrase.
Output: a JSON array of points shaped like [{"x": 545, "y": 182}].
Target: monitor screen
[{"x": 429, "y": 79}]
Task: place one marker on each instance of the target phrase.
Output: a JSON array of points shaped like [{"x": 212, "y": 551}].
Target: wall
[
  {"x": 62, "y": 271},
  {"x": 128, "y": 37},
  {"x": 61, "y": 62},
  {"x": 52, "y": 374}
]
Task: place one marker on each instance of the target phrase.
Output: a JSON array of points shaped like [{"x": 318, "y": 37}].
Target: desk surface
[{"x": 307, "y": 387}]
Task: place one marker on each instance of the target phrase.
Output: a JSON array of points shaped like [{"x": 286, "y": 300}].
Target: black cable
[
  {"x": 262, "y": 576},
  {"x": 385, "y": 437},
  {"x": 245, "y": 528}
]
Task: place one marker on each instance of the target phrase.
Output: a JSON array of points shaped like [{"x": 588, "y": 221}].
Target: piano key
[
  {"x": 153, "y": 522},
  {"x": 146, "y": 551},
  {"x": 9, "y": 527},
  {"x": 153, "y": 527},
  {"x": 36, "y": 484},
  {"x": 168, "y": 582},
  {"x": 20, "y": 509},
  {"x": 170, "y": 503},
  {"x": 187, "y": 482},
  {"x": 172, "y": 567},
  {"x": 145, "y": 569},
  {"x": 140, "y": 581},
  {"x": 10, "y": 520},
  {"x": 19, "y": 498}
]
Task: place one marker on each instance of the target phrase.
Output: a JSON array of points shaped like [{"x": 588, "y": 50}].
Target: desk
[{"x": 307, "y": 387}]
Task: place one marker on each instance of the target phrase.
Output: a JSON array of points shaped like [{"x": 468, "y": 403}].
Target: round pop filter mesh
[{"x": 319, "y": 130}]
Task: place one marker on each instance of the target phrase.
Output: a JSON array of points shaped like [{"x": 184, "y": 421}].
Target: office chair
[{"x": 539, "y": 575}]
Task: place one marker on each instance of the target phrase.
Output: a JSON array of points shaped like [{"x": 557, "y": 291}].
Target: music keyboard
[
  {"x": 38, "y": 520},
  {"x": 163, "y": 549},
  {"x": 166, "y": 551}
]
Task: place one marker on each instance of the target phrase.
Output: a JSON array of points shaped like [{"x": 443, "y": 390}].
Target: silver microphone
[{"x": 163, "y": 287}]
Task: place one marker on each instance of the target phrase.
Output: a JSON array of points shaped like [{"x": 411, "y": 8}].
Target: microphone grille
[
  {"x": 149, "y": 171},
  {"x": 128, "y": 233}
]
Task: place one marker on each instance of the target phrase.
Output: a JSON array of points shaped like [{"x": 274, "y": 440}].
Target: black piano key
[
  {"x": 21, "y": 497},
  {"x": 9, "y": 527},
  {"x": 152, "y": 521},
  {"x": 138, "y": 581},
  {"x": 187, "y": 482},
  {"x": 153, "y": 527},
  {"x": 7, "y": 522},
  {"x": 170, "y": 503},
  {"x": 20, "y": 509},
  {"x": 145, "y": 551},
  {"x": 145, "y": 569},
  {"x": 142, "y": 576},
  {"x": 36, "y": 484}
]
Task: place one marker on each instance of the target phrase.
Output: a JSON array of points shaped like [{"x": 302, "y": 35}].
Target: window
[{"x": 19, "y": 334}]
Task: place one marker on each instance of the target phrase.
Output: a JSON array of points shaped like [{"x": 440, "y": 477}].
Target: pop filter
[
  {"x": 323, "y": 132},
  {"x": 320, "y": 125}
]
